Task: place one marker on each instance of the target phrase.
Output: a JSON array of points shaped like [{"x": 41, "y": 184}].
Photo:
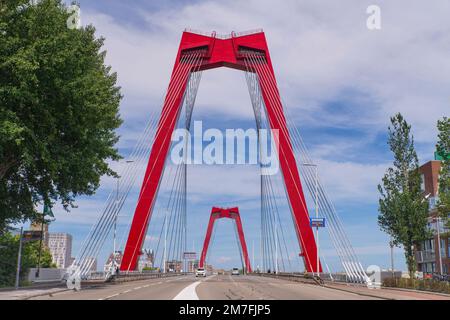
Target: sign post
[
  {"x": 19, "y": 260},
  {"x": 317, "y": 223}
]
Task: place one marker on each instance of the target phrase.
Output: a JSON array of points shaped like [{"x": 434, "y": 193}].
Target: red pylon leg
[{"x": 169, "y": 115}]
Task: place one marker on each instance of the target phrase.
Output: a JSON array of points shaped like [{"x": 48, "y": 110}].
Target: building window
[
  {"x": 428, "y": 245},
  {"x": 442, "y": 246},
  {"x": 448, "y": 246},
  {"x": 422, "y": 182}
]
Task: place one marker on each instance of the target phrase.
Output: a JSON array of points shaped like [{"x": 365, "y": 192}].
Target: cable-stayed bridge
[{"x": 282, "y": 231}]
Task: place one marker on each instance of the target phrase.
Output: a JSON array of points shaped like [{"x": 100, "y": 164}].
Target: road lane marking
[
  {"x": 112, "y": 296},
  {"x": 188, "y": 293}
]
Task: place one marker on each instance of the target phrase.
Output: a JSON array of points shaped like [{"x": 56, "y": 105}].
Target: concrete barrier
[{"x": 46, "y": 275}]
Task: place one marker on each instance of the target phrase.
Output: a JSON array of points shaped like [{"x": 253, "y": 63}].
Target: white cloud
[
  {"x": 349, "y": 181},
  {"x": 320, "y": 51}
]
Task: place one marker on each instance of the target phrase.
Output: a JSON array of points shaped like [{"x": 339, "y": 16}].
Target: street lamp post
[
  {"x": 165, "y": 242},
  {"x": 391, "y": 244},
  {"x": 19, "y": 259},
  {"x": 114, "y": 262},
  {"x": 438, "y": 220},
  {"x": 316, "y": 204},
  {"x": 276, "y": 248}
]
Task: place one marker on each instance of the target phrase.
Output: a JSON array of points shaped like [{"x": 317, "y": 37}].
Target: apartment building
[{"x": 432, "y": 255}]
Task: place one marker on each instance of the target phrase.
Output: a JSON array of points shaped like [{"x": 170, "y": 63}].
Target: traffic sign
[
  {"x": 190, "y": 255},
  {"x": 317, "y": 222}
]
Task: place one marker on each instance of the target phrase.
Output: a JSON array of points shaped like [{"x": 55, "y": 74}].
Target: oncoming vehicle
[
  {"x": 235, "y": 272},
  {"x": 200, "y": 272}
]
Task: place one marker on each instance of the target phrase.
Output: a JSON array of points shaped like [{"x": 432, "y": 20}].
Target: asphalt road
[{"x": 227, "y": 287}]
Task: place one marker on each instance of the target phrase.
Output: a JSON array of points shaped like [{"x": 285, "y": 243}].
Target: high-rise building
[
  {"x": 60, "y": 245},
  {"x": 434, "y": 252}
]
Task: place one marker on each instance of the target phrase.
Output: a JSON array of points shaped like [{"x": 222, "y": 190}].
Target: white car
[
  {"x": 235, "y": 272},
  {"x": 200, "y": 272}
]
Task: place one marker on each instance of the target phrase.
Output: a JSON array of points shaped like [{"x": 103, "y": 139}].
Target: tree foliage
[
  {"x": 59, "y": 107},
  {"x": 443, "y": 149},
  {"x": 9, "y": 247},
  {"x": 403, "y": 212}
]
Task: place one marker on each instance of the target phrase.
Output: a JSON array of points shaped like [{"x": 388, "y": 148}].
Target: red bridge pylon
[
  {"x": 230, "y": 213},
  {"x": 246, "y": 52}
]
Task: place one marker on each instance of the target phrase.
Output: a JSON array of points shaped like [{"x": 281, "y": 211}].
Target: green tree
[
  {"x": 403, "y": 212},
  {"x": 59, "y": 106},
  {"x": 443, "y": 149},
  {"x": 9, "y": 246}
]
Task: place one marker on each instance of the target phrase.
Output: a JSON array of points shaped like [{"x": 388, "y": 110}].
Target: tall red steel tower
[
  {"x": 230, "y": 213},
  {"x": 198, "y": 52}
]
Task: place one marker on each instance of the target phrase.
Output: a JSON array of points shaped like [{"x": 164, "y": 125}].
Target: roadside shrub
[{"x": 424, "y": 285}]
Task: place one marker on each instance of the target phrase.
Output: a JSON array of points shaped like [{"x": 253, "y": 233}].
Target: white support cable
[
  {"x": 189, "y": 66},
  {"x": 272, "y": 97},
  {"x": 86, "y": 253},
  {"x": 116, "y": 207},
  {"x": 110, "y": 204},
  {"x": 279, "y": 220},
  {"x": 325, "y": 208},
  {"x": 191, "y": 91},
  {"x": 241, "y": 254},
  {"x": 360, "y": 271},
  {"x": 103, "y": 218},
  {"x": 288, "y": 119}
]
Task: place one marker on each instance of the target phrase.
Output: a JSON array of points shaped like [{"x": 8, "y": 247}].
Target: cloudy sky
[{"x": 340, "y": 81}]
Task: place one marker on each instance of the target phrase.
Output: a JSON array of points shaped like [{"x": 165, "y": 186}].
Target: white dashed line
[{"x": 112, "y": 296}]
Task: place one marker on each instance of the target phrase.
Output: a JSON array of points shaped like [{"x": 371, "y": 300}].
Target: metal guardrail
[
  {"x": 298, "y": 277},
  {"x": 223, "y": 36},
  {"x": 136, "y": 275},
  {"x": 310, "y": 278}
]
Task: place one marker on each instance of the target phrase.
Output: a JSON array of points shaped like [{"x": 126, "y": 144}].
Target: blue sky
[{"x": 340, "y": 81}]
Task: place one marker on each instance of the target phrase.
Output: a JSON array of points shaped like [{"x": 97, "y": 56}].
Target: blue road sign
[{"x": 317, "y": 222}]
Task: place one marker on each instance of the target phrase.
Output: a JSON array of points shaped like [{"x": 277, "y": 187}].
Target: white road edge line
[{"x": 188, "y": 293}]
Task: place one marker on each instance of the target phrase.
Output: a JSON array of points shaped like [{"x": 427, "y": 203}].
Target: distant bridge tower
[{"x": 230, "y": 213}]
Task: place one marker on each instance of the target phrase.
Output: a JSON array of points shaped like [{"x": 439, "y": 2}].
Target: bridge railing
[
  {"x": 307, "y": 277},
  {"x": 298, "y": 277},
  {"x": 136, "y": 275}
]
